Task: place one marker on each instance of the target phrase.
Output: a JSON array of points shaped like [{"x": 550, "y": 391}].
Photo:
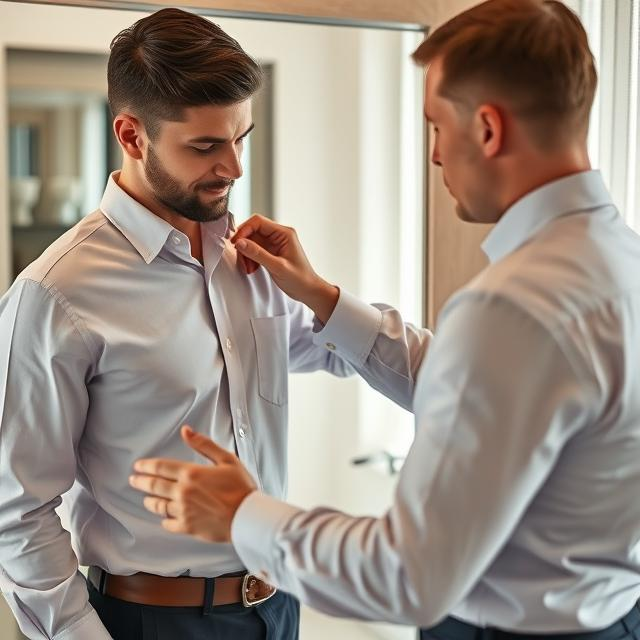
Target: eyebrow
[{"x": 211, "y": 140}]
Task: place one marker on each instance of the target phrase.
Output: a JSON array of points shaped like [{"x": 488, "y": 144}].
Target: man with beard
[{"x": 132, "y": 323}]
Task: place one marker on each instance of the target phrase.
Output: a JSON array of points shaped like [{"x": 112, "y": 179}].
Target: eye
[{"x": 205, "y": 150}]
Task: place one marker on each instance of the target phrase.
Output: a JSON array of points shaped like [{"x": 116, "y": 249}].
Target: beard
[{"x": 170, "y": 193}]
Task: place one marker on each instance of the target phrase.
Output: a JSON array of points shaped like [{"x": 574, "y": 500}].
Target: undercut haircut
[{"x": 172, "y": 60}]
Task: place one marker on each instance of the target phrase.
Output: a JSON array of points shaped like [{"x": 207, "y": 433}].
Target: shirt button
[
  {"x": 242, "y": 432},
  {"x": 176, "y": 240},
  {"x": 330, "y": 346},
  {"x": 229, "y": 344}
]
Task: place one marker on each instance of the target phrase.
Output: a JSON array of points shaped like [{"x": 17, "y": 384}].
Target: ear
[
  {"x": 489, "y": 130},
  {"x": 130, "y": 134}
]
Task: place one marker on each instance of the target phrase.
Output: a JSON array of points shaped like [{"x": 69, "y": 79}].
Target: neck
[
  {"x": 533, "y": 171},
  {"x": 130, "y": 181}
]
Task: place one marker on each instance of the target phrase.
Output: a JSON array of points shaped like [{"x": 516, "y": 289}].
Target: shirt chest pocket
[{"x": 272, "y": 352}]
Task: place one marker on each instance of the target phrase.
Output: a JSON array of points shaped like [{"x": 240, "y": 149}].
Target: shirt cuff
[
  {"x": 351, "y": 330},
  {"x": 266, "y": 515}
]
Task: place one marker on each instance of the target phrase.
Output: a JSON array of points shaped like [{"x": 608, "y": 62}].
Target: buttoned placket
[{"x": 214, "y": 273}]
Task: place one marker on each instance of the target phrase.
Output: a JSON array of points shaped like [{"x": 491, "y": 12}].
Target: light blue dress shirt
[
  {"x": 109, "y": 342},
  {"x": 518, "y": 506}
]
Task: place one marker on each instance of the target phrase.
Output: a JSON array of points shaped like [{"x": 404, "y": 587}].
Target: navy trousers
[
  {"x": 276, "y": 619},
  {"x": 628, "y": 628}
]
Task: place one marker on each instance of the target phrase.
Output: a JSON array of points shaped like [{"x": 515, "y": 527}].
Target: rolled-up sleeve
[{"x": 45, "y": 363}]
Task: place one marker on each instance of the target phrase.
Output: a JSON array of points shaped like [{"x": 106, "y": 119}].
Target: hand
[
  {"x": 261, "y": 241},
  {"x": 199, "y": 500}
]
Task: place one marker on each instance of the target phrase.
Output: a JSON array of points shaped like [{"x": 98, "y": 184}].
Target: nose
[
  {"x": 435, "y": 156},
  {"x": 229, "y": 164}
]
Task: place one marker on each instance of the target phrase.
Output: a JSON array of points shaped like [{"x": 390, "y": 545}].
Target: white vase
[
  {"x": 61, "y": 200},
  {"x": 23, "y": 194}
]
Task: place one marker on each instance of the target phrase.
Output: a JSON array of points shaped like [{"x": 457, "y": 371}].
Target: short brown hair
[
  {"x": 533, "y": 54},
  {"x": 173, "y": 59}
]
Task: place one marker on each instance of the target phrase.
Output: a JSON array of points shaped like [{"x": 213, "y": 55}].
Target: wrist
[{"x": 322, "y": 300}]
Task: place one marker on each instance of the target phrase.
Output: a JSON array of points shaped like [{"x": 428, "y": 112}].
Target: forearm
[{"x": 341, "y": 565}]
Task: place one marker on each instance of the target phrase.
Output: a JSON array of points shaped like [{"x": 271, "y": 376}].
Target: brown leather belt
[{"x": 146, "y": 588}]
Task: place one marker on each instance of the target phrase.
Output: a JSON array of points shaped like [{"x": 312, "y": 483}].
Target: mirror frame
[{"x": 413, "y": 15}]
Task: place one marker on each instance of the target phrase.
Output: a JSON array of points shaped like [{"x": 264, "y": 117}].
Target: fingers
[
  {"x": 161, "y": 506},
  {"x": 167, "y": 510},
  {"x": 162, "y": 467},
  {"x": 257, "y": 254},
  {"x": 247, "y": 266},
  {"x": 206, "y": 447},
  {"x": 153, "y": 485},
  {"x": 255, "y": 224},
  {"x": 174, "y": 525},
  {"x": 261, "y": 241}
]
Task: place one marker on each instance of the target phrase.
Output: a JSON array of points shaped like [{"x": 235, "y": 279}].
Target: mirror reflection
[
  {"x": 62, "y": 149},
  {"x": 336, "y": 153}
]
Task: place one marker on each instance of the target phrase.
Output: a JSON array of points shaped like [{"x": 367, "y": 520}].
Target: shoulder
[{"x": 59, "y": 259}]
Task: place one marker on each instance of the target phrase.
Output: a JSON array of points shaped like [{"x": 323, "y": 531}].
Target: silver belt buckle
[{"x": 255, "y": 591}]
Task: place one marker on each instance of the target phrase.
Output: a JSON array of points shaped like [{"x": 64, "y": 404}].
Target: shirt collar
[
  {"x": 147, "y": 232},
  {"x": 575, "y": 193},
  {"x": 220, "y": 229}
]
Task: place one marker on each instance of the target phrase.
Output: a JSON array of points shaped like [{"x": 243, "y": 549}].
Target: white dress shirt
[
  {"x": 109, "y": 342},
  {"x": 518, "y": 506}
]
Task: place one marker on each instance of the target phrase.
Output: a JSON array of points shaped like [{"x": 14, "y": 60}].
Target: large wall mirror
[{"x": 338, "y": 152}]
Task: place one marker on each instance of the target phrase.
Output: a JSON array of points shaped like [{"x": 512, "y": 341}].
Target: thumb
[
  {"x": 253, "y": 250},
  {"x": 205, "y": 446}
]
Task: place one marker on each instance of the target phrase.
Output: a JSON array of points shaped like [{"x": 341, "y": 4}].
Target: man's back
[{"x": 572, "y": 556}]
